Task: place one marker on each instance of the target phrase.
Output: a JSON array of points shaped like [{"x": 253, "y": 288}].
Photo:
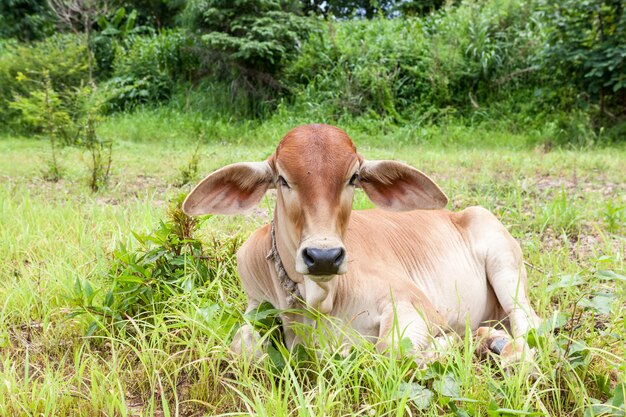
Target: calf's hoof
[{"x": 515, "y": 355}]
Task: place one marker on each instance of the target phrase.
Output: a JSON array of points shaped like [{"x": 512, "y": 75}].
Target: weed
[
  {"x": 614, "y": 215},
  {"x": 101, "y": 152},
  {"x": 189, "y": 172},
  {"x": 560, "y": 215},
  {"x": 43, "y": 110},
  {"x": 170, "y": 261}
]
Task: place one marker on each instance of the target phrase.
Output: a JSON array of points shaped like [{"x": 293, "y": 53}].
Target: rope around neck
[{"x": 294, "y": 298}]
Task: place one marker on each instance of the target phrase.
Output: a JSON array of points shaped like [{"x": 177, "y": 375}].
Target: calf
[{"x": 408, "y": 263}]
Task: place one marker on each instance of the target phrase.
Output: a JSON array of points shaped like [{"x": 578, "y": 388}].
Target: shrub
[
  {"x": 62, "y": 57},
  {"x": 115, "y": 30},
  {"x": 43, "y": 111},
  {"x": 158, "y": 14},
  {"x": 587, "y": 45},
  {"x": 26, "y": 20},
  {"x": 257, "y": 35},
  {"x": 127, "y": 92},
  {"x": 170, "y": 261},
  {"x": 100, "y": 150},
  {"x": 146, "y": 67},
  {"x": 169, "y": 51},
  {"x": 357, "y": 67},
  {"x": 103, "y": 44},
  {"x": 188, "y": 172},
  {"x": 248, "y": 43}
]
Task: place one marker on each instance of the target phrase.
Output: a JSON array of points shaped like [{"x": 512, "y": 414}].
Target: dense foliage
[
  {"x": 26, "y": 20},
  {"x": 248, "y": 42},
  {"x": 557, "y": 66},
  {"x": 587, "y": 44},
  {"x": 452, "y": 60},
  {"x": 23, "y": 68}
]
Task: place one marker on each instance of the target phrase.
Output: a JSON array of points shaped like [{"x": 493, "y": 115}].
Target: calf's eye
[
  {"x": 282, "y": 182},
  {"x": 353, "y": 179}
]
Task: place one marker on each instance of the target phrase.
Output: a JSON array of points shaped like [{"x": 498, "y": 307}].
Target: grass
[{"x": 566, "y": 207}]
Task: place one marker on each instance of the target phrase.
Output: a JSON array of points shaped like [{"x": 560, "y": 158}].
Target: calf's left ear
[
  {"x": 230, "y": 190},
  {"x": 396, "y": 186}
]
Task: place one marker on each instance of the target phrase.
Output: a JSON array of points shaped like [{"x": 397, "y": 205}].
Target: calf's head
[{"x": 315, "y": 170}]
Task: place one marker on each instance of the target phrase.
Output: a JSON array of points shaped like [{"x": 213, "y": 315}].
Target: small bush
[
  {"x": 258, "y": 36},
  {"x": 43, "y": 111},
  {"x": 100, "y": 151},
  {"x": 168, "y": 51},
  {"x": 362, "y": 67},
  {"x": 146, "y": 68},
  {"x": 62, "y": 57},
  {"x": 170, "y": 261},
  {"x": 587, "y": 47},
  {"x": 188, "y": 172},
  {"x": 128, "y": 92}
]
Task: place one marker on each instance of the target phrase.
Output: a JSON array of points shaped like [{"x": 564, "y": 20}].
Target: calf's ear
[
  {"x": 230, "y": 190},
  {"x": 395, "y": 186}
]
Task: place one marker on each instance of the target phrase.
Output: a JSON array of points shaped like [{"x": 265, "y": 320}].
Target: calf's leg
[
  {"x": 507, "y": 276},
  {"x": 247, "y": 340},
  {"x": 403, "y": 322}
]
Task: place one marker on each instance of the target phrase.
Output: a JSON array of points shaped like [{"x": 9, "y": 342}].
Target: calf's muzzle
[{"x": 323, "y": 261}]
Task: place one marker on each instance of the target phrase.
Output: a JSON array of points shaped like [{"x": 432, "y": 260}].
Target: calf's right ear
[{"x": 230, "y": 190}]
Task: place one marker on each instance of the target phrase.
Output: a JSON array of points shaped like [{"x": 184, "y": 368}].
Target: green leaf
[
  {"x": 119, "y": 15},
  {"x": 419, "y": 395},
  {"x": 108, "y": 299},
  {"x": 93, "y": 326},
  {"x": 405, "y": 345},
  {"x": 614, "y": 406},
  {"x": 619, "y": 393},
  {"x": 566, "y": 281},
  {"x": 78, "y": 288},
  {"x": 262, "y": 312},
  {"x": 130, "y": 279},
  {"x": 577, "y": 352},
  {"x": 89, "y": 292},
  {"x": 435, "y": 370},
  {"x": 458, "y": 411},
  {"x": 600, "y": 302},
  {"x": 447, "y": 386},
  {"x": 75, "y": 313},
  {"x": 188, "y": 284},
  {"x": 130, "y": 22},
  {"x": 276, "y": 357},
  {"x": 610, "y": 275}
]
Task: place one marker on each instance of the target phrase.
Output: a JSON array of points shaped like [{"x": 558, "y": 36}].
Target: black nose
[{"x": 323, "y": 261}]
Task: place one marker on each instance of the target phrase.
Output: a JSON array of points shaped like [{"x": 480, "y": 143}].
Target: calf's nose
[{"x": 323, "y": 261}]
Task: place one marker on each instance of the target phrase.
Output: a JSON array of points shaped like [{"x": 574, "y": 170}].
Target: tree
[
  {"x": 349, "y": 8},
  {"x": 259, "y": 35},
  {"x": 80, "y": 16},
  {"x": 418, "y": 7},
  {"x": 253, "y": 40},
  {"x": 154, "y": 13},
  {"x": 345, "y": 9}
]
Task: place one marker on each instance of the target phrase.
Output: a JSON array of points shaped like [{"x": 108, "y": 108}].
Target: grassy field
[{"x": 566, "y": 207}]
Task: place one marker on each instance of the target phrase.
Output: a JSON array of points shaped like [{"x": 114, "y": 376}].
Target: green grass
[{"x": 566, "y": 207}]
